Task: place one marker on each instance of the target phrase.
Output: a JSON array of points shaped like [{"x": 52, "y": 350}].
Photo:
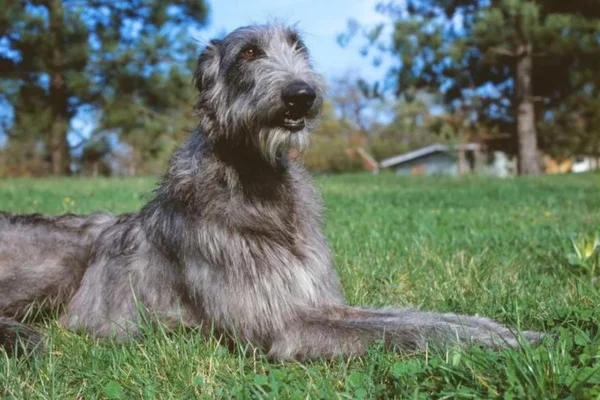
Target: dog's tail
[
  {"x": 19, "y": 339},
  {"x": 350, "y": 330}
]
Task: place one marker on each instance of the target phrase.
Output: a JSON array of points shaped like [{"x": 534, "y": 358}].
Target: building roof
[{"x": 425, "y": 151}]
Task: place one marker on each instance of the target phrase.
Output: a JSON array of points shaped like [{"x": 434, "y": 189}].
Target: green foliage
[
  {"x": 470, "y": 245},
  {"x": 384, "y": 147},
  {"x": 467, "y": 49},
  {"x": 127, "y": 63},
  {"x": 333, "y": 144},
  {"x": 24, "y": 157},
  {"x": 331, "y": 155},
  {"x": 414, "y": 125}
]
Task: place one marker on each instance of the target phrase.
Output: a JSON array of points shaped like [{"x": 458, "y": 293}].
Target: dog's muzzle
[{"x": 298, "y": 98}]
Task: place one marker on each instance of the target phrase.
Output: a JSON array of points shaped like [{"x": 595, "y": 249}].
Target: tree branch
[{"x": 503, "y": 51}]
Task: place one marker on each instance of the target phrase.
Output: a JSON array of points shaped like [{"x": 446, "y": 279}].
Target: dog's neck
[
  {"x": 257, "y": 176},
  {"x": 238, "y": 149},
  {"x": 244, "y": 155}
]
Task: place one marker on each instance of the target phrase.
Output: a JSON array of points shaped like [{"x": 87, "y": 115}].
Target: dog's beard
[
  {"x": 272, "y": 140},
  {"x": 277, "y": 141}
]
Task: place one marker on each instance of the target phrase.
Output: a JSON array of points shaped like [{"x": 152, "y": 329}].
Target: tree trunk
[
  {"x": 59, "y": 146},
  {"x": 462, "y": 159},
  {"x": 529, "y": 162}
]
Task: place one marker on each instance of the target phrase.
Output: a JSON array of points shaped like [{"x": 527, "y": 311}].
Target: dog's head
[{"x": 258, "y": 85}]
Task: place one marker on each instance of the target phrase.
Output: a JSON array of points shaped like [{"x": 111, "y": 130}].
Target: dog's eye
[{"x": 250, "y": 53}]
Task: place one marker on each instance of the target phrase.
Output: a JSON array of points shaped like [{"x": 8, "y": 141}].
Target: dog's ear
[{"x": 207, "y": 67}]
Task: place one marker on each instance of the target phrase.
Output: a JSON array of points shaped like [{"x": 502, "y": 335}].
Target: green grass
[{"x": 479, "y": 246}]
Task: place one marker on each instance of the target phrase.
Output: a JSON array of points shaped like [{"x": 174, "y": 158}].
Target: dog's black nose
[{"x": 298, "y": 97}]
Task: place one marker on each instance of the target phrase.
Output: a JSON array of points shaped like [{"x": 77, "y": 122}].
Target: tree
[
  {"x": 355, "y": 104},
  {"x": 93, "y": 159},
  {"x": 523, "y": 59},
  {"x": 61, "y": 59}
]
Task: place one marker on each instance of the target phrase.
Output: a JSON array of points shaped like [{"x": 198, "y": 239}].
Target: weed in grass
[{"x": 585, "y": 256}]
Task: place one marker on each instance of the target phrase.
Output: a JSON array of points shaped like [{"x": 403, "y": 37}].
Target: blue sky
[{"x": 319, "y": 20}]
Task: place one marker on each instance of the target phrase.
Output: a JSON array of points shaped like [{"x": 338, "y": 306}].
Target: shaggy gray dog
[{"x": 232, "y": 238}]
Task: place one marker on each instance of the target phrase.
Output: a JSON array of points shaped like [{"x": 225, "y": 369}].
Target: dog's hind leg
[
  {"x": 42, "y": 262},
  {"x": 38, "y": 267}
]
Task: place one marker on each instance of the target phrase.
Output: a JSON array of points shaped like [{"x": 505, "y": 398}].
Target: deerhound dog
[{"x": 232, "y": 237}]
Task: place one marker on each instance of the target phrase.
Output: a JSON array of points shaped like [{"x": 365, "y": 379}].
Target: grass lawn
[{"x": 498, "y": 248}]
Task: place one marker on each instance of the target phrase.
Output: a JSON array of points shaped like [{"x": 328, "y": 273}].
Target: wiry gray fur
[{"x": 232, "y": 238}]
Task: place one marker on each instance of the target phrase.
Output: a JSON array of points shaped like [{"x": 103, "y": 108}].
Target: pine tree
[
  {"x": 524, "y": 60},
  {"x": 112, "y": 59}
]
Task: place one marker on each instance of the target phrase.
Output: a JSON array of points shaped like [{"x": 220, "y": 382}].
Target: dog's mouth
[{"x": 293, "y": 124}]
